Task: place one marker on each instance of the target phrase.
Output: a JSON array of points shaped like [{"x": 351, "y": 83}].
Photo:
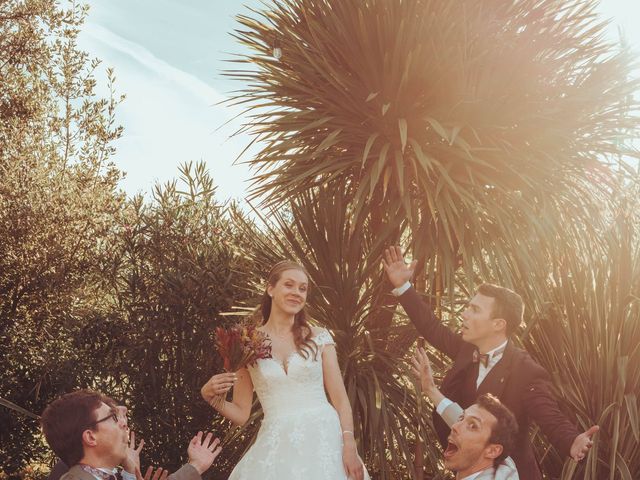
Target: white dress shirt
[
  {"x": 494, "y": 357},
  {"x": 401, "y": 289},
  {"x": 482, "y": 370},
  {"x": 472, "y": 476}
]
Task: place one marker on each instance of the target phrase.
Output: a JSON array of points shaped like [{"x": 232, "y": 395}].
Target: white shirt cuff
[
  {"x": 442, "y": 406},
  {"x": 401, "y": 289},
  {"x": 127, "y": 476}
]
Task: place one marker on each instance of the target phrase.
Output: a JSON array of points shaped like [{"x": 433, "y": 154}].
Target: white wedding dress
[{"x": 300, "y": 436}]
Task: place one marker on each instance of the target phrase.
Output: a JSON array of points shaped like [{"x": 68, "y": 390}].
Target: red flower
[{"x": 241, "y": 345}]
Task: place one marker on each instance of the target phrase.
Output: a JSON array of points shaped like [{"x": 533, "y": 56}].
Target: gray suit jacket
[
  {"x": 505, "y": 471},
  {"x": 186, "y": 472}
]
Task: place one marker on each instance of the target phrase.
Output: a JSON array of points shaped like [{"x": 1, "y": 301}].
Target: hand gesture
[
  {"x": 202, "y": 453},
  {"x": 422, "y": 369},
  {"x": 352, "y": 462},
  {"x": 397, "y": 270},
  {"x": 131, "y": 462},
  {"x": 159, "y": 474},
  {"x": 583, "y": 443},
  {"x": 217, "y": 386}
]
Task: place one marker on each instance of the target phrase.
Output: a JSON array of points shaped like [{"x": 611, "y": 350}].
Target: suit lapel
[
  {"x": 464, "y": 359},
  {"x": 77, "y": 472},
  {"x": 497, "y": 377}
]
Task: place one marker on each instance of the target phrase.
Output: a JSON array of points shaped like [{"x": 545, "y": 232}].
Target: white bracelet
[{"x": 347, "y": 431}]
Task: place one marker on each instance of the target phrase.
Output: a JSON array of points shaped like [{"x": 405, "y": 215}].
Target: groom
[{"x": 485, "y": 361}]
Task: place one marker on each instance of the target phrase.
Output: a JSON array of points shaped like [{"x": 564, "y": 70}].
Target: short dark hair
[
  {"x": 66, "y": 418},
  {"x": 507, "y": 304},
  {"x": 505, "y": 431}
]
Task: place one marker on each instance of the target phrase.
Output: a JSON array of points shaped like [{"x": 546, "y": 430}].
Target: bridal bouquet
[{"x": 241, "y": 345}]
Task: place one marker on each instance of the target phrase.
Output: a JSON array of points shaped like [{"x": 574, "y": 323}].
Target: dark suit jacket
[{"x": 517, "y": 380}]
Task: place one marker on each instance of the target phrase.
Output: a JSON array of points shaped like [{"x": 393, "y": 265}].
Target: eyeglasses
[{"x": 113, "y": 415}]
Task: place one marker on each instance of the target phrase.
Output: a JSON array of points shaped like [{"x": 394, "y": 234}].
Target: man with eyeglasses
[{"x": 89, "y": 432}]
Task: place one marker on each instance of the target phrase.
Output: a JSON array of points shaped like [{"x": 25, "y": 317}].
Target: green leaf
[
  {"x": 329, "y": 141},
  {"x": 368, "y": 145},
  {"x": 378, "y": 167},
  {"x": 402, "y": 126},
  {"x": 315, "y": 124},
  {"x": 438, "y": 128},
  {"x": 399, "y": 164},
  {"x": 631, "y": 401},
  {"x": 422, "y": 158},
  {"x": 454, "y": 134}
]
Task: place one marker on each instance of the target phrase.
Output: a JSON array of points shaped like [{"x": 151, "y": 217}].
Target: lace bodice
[{"x": 301, "y": 386}]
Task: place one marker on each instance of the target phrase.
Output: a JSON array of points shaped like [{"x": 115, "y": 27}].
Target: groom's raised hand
[{"x": 397, "y": 270}]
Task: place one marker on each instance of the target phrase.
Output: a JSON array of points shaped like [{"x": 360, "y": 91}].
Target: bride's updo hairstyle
[{"x": 301, "y": 329}]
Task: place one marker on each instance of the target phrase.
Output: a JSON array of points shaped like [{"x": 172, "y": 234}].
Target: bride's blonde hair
[{"x": 301, "y": 329}]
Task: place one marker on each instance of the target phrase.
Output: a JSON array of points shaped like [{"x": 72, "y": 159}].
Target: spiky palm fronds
[
  {"x": 587, "y": 335},
  {"x": 474, "y": 120}
]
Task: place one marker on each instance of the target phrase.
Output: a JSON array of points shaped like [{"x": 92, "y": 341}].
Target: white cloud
[{"x": 170, "y": 116}]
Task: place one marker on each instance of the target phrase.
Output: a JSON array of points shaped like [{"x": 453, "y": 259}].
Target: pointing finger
[{"x": 592, "y": 431}]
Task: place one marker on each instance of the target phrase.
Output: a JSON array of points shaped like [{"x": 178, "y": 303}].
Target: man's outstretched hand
[
  {"x": 159, "y": 474},
  {"x": 202, "y": 452},
  {"x": 397, "y": 270},
  {"x": 582, "y": 443}
]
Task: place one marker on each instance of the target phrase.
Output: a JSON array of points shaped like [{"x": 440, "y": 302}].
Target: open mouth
[{"x": 451, "y": 450}]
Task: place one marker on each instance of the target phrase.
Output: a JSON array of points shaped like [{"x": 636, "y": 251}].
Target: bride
[{"x": 302, "y": 435}]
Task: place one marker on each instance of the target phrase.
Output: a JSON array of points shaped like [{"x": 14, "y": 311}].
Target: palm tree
[
  {"x": 479, "y": 123},
  {"x": 482, "y": 133}
]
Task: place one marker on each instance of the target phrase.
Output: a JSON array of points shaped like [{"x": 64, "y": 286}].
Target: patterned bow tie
[
  {"x": 484, "y": 358},
  {"x": 101, "y": 473}
]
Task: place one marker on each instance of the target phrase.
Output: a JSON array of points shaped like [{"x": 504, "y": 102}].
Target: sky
[{"x": 169, "y": 57}]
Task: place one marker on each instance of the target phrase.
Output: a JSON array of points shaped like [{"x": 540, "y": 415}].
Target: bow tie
[{"x": 484, "y": 358}]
